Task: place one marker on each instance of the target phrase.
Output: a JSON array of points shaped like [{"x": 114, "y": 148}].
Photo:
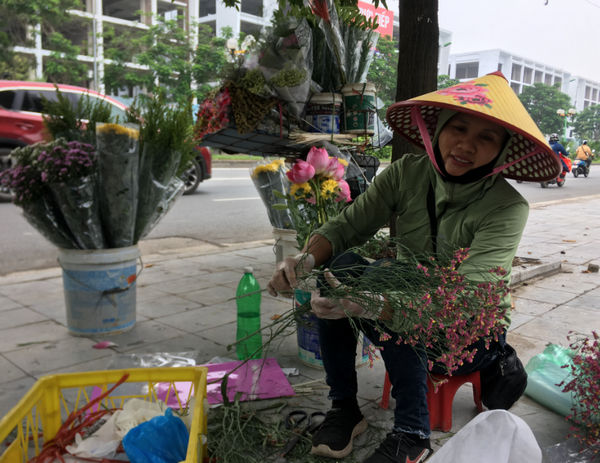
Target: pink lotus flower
[
  {"x": 335, "y": 169},
  {"x": 344, "y": 194},
  {"x": 301, "y": 172},
  {"x": 318, "y": 158}
]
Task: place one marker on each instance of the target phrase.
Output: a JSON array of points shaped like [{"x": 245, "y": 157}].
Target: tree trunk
[
  {"x": 418, "y": 49},
  {"x": 418, "y": 57}
]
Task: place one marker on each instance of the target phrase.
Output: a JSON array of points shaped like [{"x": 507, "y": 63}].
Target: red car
[{"x": 21, "y": 123}]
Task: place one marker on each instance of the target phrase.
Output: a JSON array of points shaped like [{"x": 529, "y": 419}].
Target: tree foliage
[
  {"x": 383, "y": 72},
  {"x": 62, "y": 64},
  {"x": 445, "y": 81},
  {"x": 210, "y": 59},
  {"x": 17, "y": 21},
  {"x": 542, "y": 102},
  {"x": 587, "y": 125}
]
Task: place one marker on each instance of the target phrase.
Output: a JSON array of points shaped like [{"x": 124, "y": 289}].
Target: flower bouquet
[
  {"x": 317, "y": 191},
  {"x": 427, "y": 303},
  {"x": 108, "y": 194},
  {"x": 270, "y": 181},
  {"x": 585, "y": 387}
]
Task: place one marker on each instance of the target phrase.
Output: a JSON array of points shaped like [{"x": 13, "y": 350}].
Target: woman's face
[{"x": 467, "y": 142}]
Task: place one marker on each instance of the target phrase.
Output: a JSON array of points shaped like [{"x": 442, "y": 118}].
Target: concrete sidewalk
[{"x": 186, "y": 304}]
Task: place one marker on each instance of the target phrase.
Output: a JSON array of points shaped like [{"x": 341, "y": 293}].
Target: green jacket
[{"x": 488, "y": 216}]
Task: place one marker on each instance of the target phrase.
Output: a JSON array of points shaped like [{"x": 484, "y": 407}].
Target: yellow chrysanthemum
[
  {"x": 300, "y": 190},
  {"x": 329, "y": 188},
  {"x": 270, "y": 167},
  {"x": 343, "y": 162},
  {"x": 118, "y": 130}
]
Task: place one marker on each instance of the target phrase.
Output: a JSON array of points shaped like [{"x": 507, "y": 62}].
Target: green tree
[
  {"x": 444, "y": 81},
  {"x": 542, "y": 102},
  {"x": 383, "y": 71},
  {"x": 18, "y": 21},
  {"x": 62, "y": 65},
  {"x": 587, "y": 126},
  {"x": 210, "y": 58}
]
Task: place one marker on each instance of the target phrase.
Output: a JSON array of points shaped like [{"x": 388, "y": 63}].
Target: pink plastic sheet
[{"x": 255, "y": 379}]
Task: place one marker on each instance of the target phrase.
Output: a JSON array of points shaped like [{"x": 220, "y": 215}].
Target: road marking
[{"x": 237, "y": 199}]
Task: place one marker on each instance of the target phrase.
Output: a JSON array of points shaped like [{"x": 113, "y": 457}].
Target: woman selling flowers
[{"x": 476, "y": 134}]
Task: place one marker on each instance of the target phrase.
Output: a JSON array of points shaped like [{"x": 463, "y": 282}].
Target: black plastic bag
[{"x": 504, "y": 381}]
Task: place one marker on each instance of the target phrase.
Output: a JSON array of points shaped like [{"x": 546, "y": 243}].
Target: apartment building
[{"x": 522, "y": 72}]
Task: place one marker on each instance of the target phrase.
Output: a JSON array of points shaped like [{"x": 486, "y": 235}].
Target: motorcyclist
[
  {"x": 585, "y": 153},
  {"x": 558, "y": 148}
]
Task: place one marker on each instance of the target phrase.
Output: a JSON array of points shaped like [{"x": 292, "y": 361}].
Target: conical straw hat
[{"x": 529, "y": 156}]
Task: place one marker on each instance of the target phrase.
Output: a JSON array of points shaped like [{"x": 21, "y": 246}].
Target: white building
[{"x": 522, "y": 72}]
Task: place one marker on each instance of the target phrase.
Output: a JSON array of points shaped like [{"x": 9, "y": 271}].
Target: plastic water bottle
[{"x": 248, "y": 317}]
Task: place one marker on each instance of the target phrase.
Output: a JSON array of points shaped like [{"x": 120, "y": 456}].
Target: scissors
[{"x": 300, "y": 423}]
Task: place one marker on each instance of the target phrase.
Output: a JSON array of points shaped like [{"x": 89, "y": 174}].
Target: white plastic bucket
[
  {"x": 307, "y": 335},
  {"x": 285, "y": 243},
  {"x": 359, "y": 108},
  {"x": 100, "y": 289},
  {"x": 323, "y": 113}
]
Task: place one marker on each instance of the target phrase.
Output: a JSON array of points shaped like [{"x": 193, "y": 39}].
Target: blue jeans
[{"x": 406, "y": 365}]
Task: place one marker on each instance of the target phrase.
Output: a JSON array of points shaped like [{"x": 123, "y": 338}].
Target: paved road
[{"x": 225, "y": 209}]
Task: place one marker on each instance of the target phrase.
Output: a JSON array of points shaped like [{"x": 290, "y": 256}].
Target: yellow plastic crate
[{"x": 38, "y": 416}]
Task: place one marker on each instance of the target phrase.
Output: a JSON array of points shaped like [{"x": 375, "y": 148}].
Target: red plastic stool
[{"x": 440, "y": 402}]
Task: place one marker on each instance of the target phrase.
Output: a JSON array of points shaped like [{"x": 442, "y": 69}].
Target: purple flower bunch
[
  {"x": 24, "y": 181},
  {"x": 66, "y": 161},
  {"x": 43, "y": 163},
  {"x": 585, "y": 386}
]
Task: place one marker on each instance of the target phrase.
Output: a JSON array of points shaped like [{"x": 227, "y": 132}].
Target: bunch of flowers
[
  {"x": 84, "y": 196},
  {"x": 428, "y": 304},
  {"x": 66, "y": 161},
  {"x": 585, "y": 387},
  {"x": 317, "y": 191},
  {"x": 213, "y": 114},
  {"x": 269, "y": 180}
]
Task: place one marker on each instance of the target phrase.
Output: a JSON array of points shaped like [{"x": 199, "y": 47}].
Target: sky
[{"x": 564, "y": 34}]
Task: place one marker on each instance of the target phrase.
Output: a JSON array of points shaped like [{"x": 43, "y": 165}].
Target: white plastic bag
[{"x": 495, "y": 436}]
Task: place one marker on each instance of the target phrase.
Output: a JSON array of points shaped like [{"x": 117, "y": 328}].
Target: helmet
[
  {"x": 554, "y": 137},
  {"x": 584, "y": 142}
]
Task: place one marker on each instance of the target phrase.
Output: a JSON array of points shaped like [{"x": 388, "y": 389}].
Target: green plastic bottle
[{"x": 248, "y": 317}]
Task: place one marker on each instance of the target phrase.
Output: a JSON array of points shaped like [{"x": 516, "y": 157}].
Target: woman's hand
[
  {"x": 285, "y": 278},
  {"x": 332, "y": 309}
]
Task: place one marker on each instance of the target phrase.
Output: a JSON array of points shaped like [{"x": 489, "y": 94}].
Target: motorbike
[
  {"x": 580, "y": 167},
  {"x": 560, "y": 180}
]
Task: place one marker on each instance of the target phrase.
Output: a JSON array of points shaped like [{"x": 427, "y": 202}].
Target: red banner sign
[{"x": 385, "y": 18}]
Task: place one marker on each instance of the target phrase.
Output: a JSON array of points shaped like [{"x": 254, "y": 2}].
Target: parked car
[{"x": 21, "y": 123}]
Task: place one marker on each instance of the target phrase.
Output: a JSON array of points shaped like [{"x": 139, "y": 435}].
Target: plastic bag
[
  {"x": 271, "y": 184},
  {"x": 495, "y": 436},
  {"x": 286, "y": 63},
  {"x": 569, "y": 451},
  {"x": 545, "y": 373},
  {"x": 77, "y": 202},
  {"x": 163, "y": 439},
  {"x": 101, "y": 444},
  {"x": 118, "y": 163}
]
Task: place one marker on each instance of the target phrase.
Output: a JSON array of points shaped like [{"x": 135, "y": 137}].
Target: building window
[
  {"x": 527, "y": 75},
  {"x": 500, "y": 67},
  {"x": 467, "y": 70},
  {"x": 548, "y": 79},
  {"x": 253, "y": 7},
  {"x": 208, "y": 7},
  {"x": 538, "y": 77},
  {"x": 250, "y": 29},
  {"x": 516, "y": 72},
  {"x": 588, "y": 91},
  {"x": 516, "y": 87},
  {"x": 558, "y": 81}
]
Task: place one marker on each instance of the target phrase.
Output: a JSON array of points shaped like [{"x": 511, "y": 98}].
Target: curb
[{"x": 520, "y": 276}]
